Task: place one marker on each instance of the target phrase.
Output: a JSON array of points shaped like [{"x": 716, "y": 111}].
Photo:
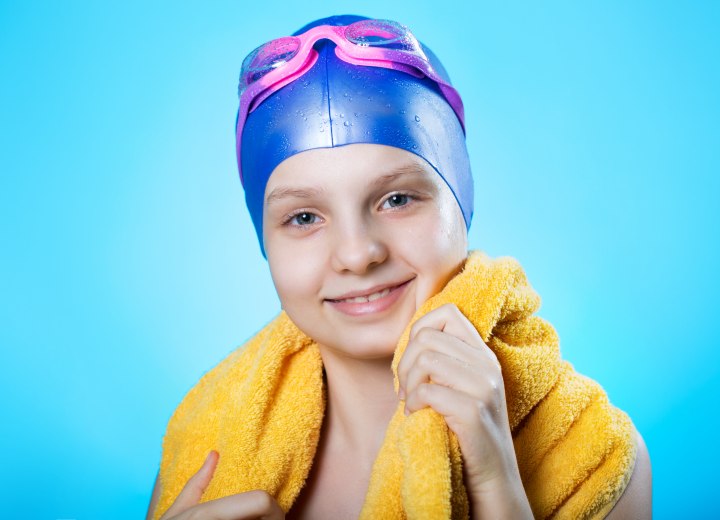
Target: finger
[
  {"x": 431, "y": 338},
  {"x": 446, "y": 401},
  {"x": 443, "y": 369},
  {"x": 448, "y": 318},
  {"x": 428, "y": 339},
  {"x": 250, "y": 505},
  {"x": 452, "y": 322},
  {"x": 457, "y": 407},
  {"x": 195, "y": 486}
]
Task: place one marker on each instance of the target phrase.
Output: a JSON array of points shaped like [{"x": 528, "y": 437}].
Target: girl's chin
[
  {"x": 355, "y": 346},
  {"x": 359, "y": 350},
  {"x": 362, "y": 341}
]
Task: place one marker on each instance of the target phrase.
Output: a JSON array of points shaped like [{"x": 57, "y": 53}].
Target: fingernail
[
  {"x": 401, "y": 394},
  {"x": 207, "y": 459}
]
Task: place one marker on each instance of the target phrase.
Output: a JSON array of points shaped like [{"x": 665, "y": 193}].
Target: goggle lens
[
  {"x": 380, "y": 33},
  {"x": 266, "y": 58}
]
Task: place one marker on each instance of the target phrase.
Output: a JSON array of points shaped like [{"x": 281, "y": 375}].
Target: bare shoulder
[
  {"x": 636, "y": 500},
  {"x": 154, "y": 499}
]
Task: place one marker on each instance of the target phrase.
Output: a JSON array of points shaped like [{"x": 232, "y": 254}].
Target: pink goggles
[{"x": 376, "y": 43}]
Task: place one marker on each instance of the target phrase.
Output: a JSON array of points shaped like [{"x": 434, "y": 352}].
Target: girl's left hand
[{"x": 449, "y": 368}]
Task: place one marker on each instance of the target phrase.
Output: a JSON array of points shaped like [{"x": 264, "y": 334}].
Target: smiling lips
[{"x": 378, "y": 301}]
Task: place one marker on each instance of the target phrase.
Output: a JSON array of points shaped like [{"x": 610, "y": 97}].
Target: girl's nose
[{"x": 358, "y": 248}]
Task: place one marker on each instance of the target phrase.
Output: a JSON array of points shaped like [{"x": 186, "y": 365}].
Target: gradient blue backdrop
[{"x": 129, "y": 265}]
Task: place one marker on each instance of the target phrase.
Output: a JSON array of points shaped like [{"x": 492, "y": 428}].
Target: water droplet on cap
[{"x": 417, "y": 118}]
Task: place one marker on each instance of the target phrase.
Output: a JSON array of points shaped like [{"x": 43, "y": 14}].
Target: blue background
[{"x": 129, "y": 265}]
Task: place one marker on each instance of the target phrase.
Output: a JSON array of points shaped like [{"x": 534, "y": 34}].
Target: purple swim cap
[{"x": 336, "y": 103}]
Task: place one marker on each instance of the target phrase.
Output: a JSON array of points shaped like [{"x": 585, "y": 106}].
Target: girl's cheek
[{"x": 294, "y": 274}]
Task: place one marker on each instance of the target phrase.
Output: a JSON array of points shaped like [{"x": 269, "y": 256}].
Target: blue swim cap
[{"x": 336, "y": 103}]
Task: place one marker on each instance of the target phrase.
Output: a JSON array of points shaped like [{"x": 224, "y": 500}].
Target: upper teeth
[{"x": 369, "y": 298}]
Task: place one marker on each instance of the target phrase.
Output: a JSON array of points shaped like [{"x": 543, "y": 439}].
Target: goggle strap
[
  {"x": 455, "y": 100},
  {"x": 408, "y": 69}
]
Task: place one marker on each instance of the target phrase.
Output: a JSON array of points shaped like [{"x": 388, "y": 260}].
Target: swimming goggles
[{"x": 375, "y": 43}]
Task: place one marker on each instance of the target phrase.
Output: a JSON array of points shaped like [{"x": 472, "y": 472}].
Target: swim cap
[{"x": 336, "y": 103}]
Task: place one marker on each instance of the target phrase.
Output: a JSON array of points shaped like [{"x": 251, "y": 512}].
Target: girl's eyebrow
[
  {"x": 282, "y": 192},
  {"x": 411, "y": 168}
]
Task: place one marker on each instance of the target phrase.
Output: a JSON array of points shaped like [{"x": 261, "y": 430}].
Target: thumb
[{"x": 195, "y": 486}]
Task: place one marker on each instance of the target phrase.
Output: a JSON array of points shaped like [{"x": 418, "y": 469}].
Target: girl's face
[{"x": 359, "y": 220}]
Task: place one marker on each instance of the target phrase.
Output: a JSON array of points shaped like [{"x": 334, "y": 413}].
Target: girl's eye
[
  {"x": 397, "y": 199},
  {"x": 304, "y": 218}
]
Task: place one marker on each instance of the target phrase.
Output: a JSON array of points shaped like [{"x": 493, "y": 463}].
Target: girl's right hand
[{"x": 252, "y": 505}]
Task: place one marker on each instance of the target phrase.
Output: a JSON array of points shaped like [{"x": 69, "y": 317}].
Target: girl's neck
[{"x": 360, "y": 402}]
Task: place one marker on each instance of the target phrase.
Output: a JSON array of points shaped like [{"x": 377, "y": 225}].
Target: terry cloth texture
[{"x": 262, "y": 408}]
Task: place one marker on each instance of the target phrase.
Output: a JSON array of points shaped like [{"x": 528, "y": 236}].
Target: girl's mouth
[{"x": 372, "y": 303}]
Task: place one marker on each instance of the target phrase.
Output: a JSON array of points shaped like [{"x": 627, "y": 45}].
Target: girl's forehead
[
  {"x": 344, "y": 169},
  {"x": 344, "y": 162}
]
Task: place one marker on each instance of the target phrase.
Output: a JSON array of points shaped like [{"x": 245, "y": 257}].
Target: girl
[{"x": 404, "y": 377}]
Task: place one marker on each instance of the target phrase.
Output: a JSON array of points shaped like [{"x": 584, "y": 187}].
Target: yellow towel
[{"x": 262, "y": 407}]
